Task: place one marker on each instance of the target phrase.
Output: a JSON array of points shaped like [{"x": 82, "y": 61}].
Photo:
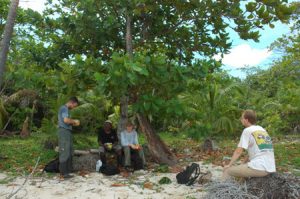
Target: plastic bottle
[{"x": 98, "y": 165}]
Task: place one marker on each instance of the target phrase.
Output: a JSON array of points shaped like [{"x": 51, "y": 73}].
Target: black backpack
[
  {"x": 109, "y": 170},
  {"x": 189, "y": 175},
  {"x": 52, "y": 166}
]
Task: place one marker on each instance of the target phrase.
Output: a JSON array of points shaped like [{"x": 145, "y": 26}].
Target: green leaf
[
  {"x": 98, "y": 76},
  {"x": 147, "y": 106}
]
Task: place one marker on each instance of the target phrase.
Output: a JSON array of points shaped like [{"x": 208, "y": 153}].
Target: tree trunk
[
  {"x": 157, "y": 148},
  {"x": 124, "y": 99},
  {"x": 8, "y": 30},
  {"x": 123, "y": 114},
  {"x": 25, "y": 129},
  {"x": 129, "y": 48}
]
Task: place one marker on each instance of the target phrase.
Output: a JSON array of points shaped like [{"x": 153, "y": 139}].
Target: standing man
[
  {"x": 108, "y": 141},
  {"x": 257, "y": 142},
  {"x": 65, "y": 137}
]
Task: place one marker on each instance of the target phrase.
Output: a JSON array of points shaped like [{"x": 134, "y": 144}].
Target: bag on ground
[
  {"x": 109, "y": 170},
  {"x": 52, "y": 166},
  {"x": 189, "y": 175}
]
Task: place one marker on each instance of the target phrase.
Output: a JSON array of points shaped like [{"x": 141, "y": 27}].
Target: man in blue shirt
[
  {"x": 65, "y": 137},
  {"x": 129, "y": 142}
]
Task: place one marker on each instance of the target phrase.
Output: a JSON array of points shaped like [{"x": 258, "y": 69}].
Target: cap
[{"x": 108, "y": 121}]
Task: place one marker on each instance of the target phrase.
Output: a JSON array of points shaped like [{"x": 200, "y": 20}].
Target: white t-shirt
[{"x": 257, "y": 141}]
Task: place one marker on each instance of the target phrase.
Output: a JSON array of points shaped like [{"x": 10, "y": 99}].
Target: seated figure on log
[
  {"x": 129, "y": 142},
  {"x": 109, "y": 142},
  {"x": 257, "y": 142}
]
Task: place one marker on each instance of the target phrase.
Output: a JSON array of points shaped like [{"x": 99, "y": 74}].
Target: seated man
[
  {"x": 108, "y": 141},
  {"x": 257, "y": 142},
  {"x": 129, "y": 142}
]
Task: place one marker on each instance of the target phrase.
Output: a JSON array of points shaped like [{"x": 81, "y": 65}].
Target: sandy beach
[{"x": 141, "y": 184}]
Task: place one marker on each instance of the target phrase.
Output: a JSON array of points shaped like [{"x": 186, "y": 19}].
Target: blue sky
[
  {"x": 253, "y": 54},
  {"x": 243, "y": 53}
]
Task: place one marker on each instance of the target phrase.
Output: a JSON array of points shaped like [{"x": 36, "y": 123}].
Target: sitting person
[
  {"x": 108, "y": 141},
  {"x": 129, "y": 142},
  {"x": 257, "y": 141}
]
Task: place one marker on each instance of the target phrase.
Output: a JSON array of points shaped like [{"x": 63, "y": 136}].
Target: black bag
[
  {"x": 52, "y": 166},
  {"x": 109, "y": 170},
  {"x": 137, "y": 162},
  {"x": 189, "y": 175}
]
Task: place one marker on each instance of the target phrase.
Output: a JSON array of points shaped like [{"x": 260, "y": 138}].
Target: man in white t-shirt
[{"x": 257, "y": 142}]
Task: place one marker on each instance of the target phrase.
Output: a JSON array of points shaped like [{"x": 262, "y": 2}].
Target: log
[{"x": 82, "y": 152}]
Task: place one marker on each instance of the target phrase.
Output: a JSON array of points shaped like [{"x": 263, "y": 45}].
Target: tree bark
[
  {"x": 124, "y": 99},
  {"x": 8, "y": 30},
  {"x": 123, "y": 114},
  {"x": 129, "y": 45},
  {"x": 157, "y": 148},
  {"x": 25, "y": 129}
]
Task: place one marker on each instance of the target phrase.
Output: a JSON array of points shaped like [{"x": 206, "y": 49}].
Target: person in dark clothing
[
  {"x": 65, "y": 137},
  {"x": 108, "y": 141}
]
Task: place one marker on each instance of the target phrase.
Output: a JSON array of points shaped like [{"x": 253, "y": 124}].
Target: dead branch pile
[
  {"x": 228, "y": 190},
  {"x": 279, "y": 186},
  {"x": 275, "y": 186}
]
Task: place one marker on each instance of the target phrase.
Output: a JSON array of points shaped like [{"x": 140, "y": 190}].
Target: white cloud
[
  {"x": 37, "y": 5},
  {"x": 244, "y": 55}
]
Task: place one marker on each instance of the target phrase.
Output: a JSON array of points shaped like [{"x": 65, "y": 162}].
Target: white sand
[{"x": 96, "y": 185}]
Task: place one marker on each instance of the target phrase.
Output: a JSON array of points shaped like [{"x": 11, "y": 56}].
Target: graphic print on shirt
[{"x": 263, "y": 140}]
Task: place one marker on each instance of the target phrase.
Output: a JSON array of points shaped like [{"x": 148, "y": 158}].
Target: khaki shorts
[{"x": 242, "y": 170}]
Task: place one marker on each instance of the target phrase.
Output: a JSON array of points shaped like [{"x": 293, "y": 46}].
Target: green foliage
[
  {"x": 215, "y": 104},
  {"x": 163, "y": 168},
  {"x": 90, "y": 116},
  {"x": 198, "y": 132},
  {"x": 151, "y": 83},
  {"x": 275, "y": 92},
  {"x": 3, "y": 115},
  {"x": 77, "y": 48},
  {"x": 165, "y": 180}
]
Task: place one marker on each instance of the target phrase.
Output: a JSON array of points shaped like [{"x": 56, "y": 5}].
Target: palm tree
[{"x": 8, "y": 30}]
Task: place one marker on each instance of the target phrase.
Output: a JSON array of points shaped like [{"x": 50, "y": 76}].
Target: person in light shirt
[
  {"x": 129, "y": 142},
  {"x": 258, "y": 143}
]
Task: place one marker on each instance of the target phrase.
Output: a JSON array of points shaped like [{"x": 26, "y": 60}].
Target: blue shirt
[
  {"x": 129, "y": 138},
  {"x": 63, "y": 113}
]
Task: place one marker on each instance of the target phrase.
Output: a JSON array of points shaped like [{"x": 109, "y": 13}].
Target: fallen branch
[{"x": 14, "y": 193}]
